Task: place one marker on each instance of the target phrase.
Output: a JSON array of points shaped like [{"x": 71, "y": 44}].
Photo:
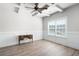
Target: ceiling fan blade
[
  {"x": 43, "y": 8},
  {"x": 29, "y": 7},
  {"x": 46, "y": 6},
  {"x": 40, "y": 10},
  {"x": 34, "y": 13}
]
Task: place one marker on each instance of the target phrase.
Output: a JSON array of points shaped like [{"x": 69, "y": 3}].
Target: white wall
[
  {"x": 72, "y": 39},
  {"x": 13, "y": 24}
]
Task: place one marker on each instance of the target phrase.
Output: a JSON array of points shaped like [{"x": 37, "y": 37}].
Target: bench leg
[
  {"x": 32, "y": 40},
  {"x": 19, "y": 42}
]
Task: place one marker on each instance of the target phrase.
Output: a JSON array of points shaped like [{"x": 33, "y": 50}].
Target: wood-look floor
[{"x": 38, "y": 48}]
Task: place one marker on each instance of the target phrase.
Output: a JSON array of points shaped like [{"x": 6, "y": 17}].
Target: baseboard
[
  {"x": 16, "y": 44},
  {"x": 62, "y": 44}
]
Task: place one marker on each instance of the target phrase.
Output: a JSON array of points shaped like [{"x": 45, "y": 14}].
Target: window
[
  {"x": 51, "y": 28},
  {"x": 58, "y": 27}
]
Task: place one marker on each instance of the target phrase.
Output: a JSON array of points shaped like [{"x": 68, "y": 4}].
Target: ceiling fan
[{"x": 37, "y": 9}]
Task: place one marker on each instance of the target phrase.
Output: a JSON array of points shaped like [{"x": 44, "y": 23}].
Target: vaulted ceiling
[
  {"x": 53, "y": 8},
  {"x": 58, "y": 7}
]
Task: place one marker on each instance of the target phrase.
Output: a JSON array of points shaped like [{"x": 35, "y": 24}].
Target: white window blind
[{"x": 58, "y": 27}]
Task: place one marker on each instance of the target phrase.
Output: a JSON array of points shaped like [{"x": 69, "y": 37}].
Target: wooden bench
[{"x": 22, "y": 37}]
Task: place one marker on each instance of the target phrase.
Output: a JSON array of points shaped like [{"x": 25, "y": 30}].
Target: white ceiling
[
  {"x": 53, "y": 8},
  {"x": 65, "y": 5}
]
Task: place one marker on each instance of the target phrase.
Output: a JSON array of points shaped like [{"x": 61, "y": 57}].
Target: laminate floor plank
[{"x": 38, "y": 48}]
